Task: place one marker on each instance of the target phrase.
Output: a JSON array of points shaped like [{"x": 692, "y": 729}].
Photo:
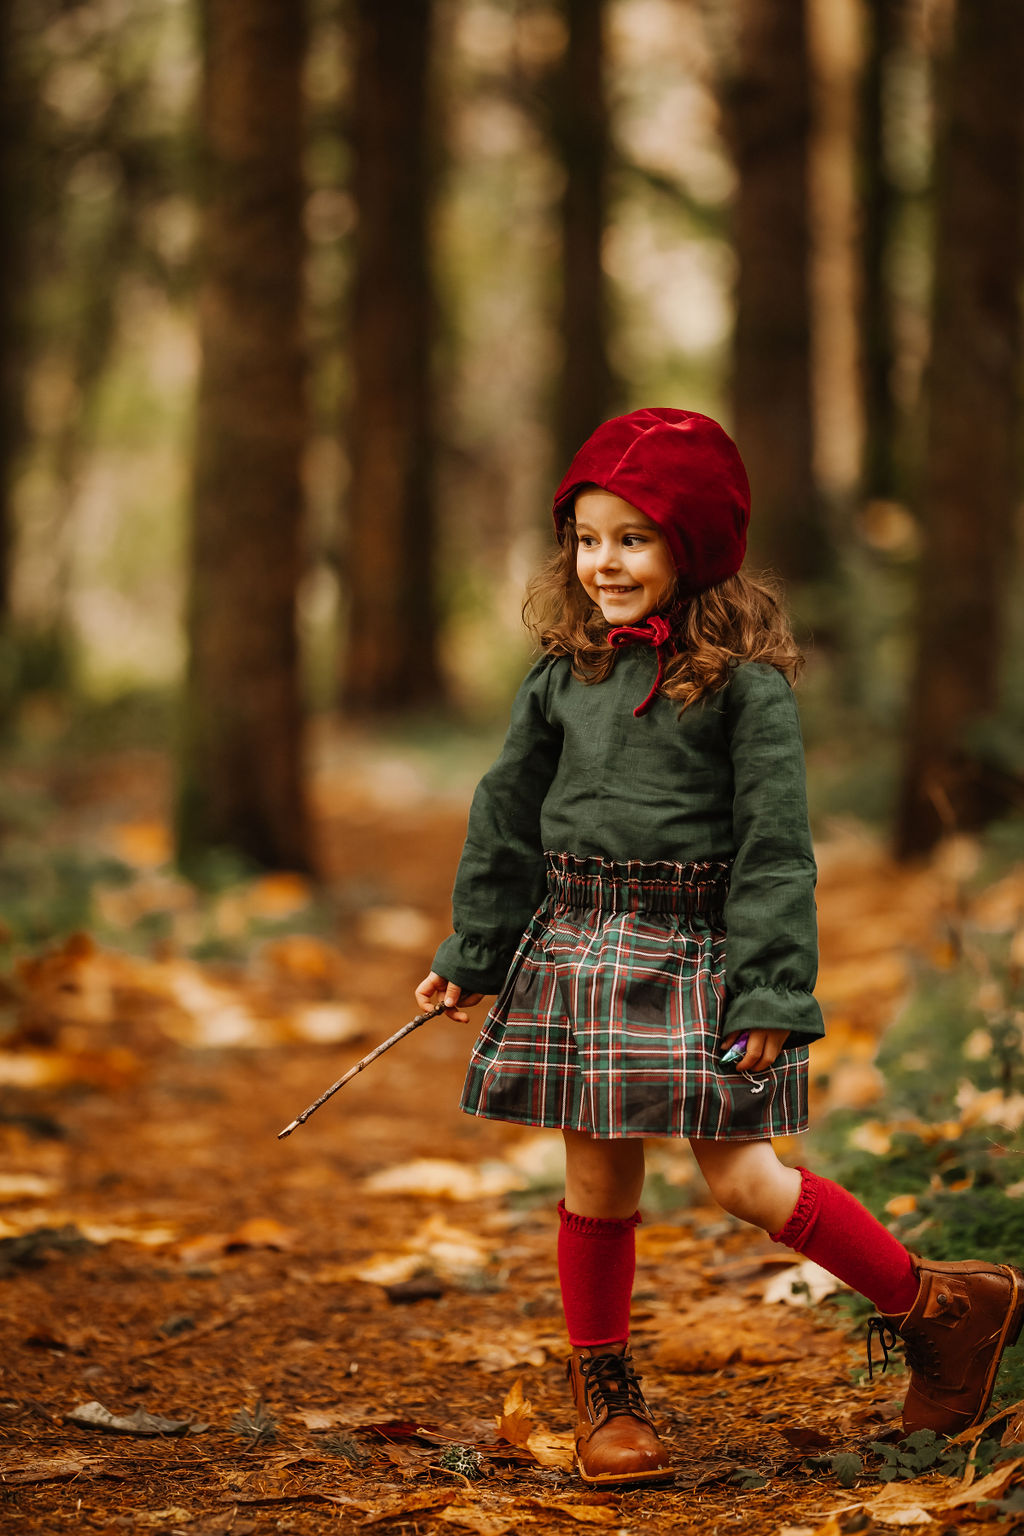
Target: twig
[{"x": 385, "y": 1045}]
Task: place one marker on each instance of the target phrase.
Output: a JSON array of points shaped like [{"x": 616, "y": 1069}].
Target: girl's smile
[{"x": 622, "y": 558}]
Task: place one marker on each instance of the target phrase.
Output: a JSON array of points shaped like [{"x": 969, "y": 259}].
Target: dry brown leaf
[
  {"x": 992, "y": 1486},
  {"x": 514, "y": 1347},
  {"x": 803, "y": 1438},
  {"x": 906, "y": 1504},
  {"x": 470, "y": 1517},
  {"x": 257, "y": 1232},
  {"x": 261, "y": 1232},
  {"x": 44, "y": 1469},
  {"x": 26, "y": 1186},
  {"x": 439, "y": 1176},
  {"x": 412, "y": 1504},
  {"x": 317, "y": 1419},
  {"x": 552, "y": 1449},
  {"x": 410, "y": 1460},
  {"x": 586, "y": 1514},
  {"x": 515, "y": 1421}
]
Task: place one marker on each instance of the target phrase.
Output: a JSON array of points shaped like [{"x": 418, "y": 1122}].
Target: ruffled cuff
[
  {"x": 796, "y": 1011},
  {"x": 472, "y": 964}
]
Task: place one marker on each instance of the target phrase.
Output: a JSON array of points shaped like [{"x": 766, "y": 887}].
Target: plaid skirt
[{"x": 609, "y": 1020}]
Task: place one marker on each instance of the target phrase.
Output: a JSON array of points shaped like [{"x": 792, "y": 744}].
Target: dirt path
[{"x": 173, "y": 1256}]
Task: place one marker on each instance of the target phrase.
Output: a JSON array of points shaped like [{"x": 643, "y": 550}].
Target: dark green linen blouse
[{"x": 579, "y": 773}]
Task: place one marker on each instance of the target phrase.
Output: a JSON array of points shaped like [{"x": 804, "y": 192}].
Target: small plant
[
  {"x": 259, "y": 1426},
  {"x": 345, "y": 1447}
]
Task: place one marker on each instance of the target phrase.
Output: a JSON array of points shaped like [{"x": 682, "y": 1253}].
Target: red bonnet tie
[{"x": 655, "y": 631}]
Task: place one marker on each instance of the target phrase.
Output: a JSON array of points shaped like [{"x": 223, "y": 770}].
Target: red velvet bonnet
[{"x": 685, "y": 473}]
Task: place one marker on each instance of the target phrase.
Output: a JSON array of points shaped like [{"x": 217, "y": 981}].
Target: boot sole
[
  {"x": 1007, "y": 1338},
  {"x": 606, "y": 1479}
]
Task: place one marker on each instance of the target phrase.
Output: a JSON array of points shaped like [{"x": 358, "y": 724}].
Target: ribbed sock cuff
[
  {"x": 800, "y": 1225},
  {"x": 596, "y": 1226}
]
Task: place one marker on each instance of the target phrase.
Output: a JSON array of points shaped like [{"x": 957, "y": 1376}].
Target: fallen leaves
[
  {"x": 257, "y": 1232},
  {"x": 21, "y": 1470},
  {"x": 435, "y": 1245},
  {"x": 438, "y": 1176},
  {"x": 515, "y": 1421},
  {"x": 515, "y": 1426},
  {"x": 139, "y": 1423}
]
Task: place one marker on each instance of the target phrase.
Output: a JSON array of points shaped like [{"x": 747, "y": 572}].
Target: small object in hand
[{"x": 736, "y": 1051}]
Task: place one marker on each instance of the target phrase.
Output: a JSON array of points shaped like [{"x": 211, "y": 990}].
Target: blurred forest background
[{"x": 305, "y": 306}]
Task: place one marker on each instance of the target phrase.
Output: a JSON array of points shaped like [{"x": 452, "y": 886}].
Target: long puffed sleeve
[
  {"x": 501, "y": 880},
  {"x": 771, "y": 948}
]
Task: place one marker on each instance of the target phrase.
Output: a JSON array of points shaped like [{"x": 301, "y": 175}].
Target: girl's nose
[{"x": 607, "y": 558}]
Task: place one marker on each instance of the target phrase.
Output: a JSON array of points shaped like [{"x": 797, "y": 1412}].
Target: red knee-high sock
[
  {"x": 596, "y": 1265},
  {"x": 834, "y": 1229}
]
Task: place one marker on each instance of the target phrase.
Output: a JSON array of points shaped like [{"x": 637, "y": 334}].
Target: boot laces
[
  {"x": 612, "y": 1383},
  {"x": 919, "y": 1351},
  {"x": 885, "y": 1333}
]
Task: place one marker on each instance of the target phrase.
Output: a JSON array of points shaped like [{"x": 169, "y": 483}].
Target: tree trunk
[
  {"x": 12, "y": 122},
  {"x": 768, "y": 117},
  {"x": 971, "y": 479},
  {"x": 579, "y": 122},
  {"x": 878, "y": 211},
  {"x": 391, "y": 659},
  {"x": 242, "y": 783}
]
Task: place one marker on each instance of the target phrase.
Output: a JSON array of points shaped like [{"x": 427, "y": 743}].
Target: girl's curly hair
[{"x": 740, "y": 619}]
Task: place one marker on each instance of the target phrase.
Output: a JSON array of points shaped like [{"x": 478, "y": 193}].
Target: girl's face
[{"x": 622, "y": 559}]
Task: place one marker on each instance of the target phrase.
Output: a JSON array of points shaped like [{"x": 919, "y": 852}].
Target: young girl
[{"x": 637, "y": 885}]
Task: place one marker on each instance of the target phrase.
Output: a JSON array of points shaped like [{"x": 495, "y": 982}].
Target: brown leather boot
[
  {"x": 964, "y": 1317},
  {"x": 616, "y": 1441}
]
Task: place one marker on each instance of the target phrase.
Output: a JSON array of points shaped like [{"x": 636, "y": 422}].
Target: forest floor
[{"x": 328, "y": 1319}]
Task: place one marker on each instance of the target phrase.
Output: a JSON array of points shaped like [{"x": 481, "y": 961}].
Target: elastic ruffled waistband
[{"x": 596, "y": 884}]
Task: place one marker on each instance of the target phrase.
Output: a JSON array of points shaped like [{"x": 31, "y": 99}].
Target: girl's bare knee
[
  {"x": 602, "y": 1178},
  {"x": 747, "y": 1180}
]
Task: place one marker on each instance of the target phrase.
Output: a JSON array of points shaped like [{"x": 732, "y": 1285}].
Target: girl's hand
[
  {"x": 434, "y": 987},
  {"x": 763, "y": 1046}
]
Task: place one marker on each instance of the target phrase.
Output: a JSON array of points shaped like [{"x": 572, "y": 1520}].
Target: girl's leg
[
  {"x": 812, "y": 1215},
  {"x": 956, "y": 1318},
  {"x": 603, "y": 1179},
  {"x": 615, "y": 1437},
  {"x": 596, "y": 1242}
]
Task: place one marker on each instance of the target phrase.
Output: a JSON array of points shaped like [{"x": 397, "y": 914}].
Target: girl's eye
[{"x": 630, "y": 539}]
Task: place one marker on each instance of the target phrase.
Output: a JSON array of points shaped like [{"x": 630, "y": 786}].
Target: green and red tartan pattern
[{"x": 609, "y": 1020}]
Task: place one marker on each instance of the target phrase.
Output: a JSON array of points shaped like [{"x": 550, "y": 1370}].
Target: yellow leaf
[
  {"x": 552, "y": 1449},
  {"x": 515, "y": 1421},
  {"x": 901, "y": 1205}
]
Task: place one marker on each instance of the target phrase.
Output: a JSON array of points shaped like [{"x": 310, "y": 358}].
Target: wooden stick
[{"x": 385, "y": 1045}]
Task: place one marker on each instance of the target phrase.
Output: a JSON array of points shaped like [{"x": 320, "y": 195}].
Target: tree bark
[
  {"x": 768, "y": 117},
  {"x": 879, "y": 203},
  {"x": 391, "y": 655},
  {"x": 241, "y": 775},
  {"x": 12, "y": 123},
  {"x": 579, "y": 125},
  {"x": 971, "y": 481}
]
